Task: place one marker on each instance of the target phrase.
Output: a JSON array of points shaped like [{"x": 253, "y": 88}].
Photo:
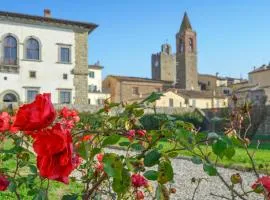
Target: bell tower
[{"x": 186, "y": 57}]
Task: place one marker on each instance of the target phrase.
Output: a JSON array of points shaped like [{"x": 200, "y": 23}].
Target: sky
[{"x": 232, "y": 36}]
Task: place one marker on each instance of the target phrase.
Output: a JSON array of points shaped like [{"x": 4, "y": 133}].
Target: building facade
[
  {"x": 186, "y": 56},
  {"x": 43, "y": 54},
  {"x": 96, "y": 95},
  {"x": 127, "y": 89},
  {"x": 164, "y": 64},
  {"x": 191, "y": 99}
]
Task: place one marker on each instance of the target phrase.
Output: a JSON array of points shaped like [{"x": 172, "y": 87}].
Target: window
[
  {"x": 32, "y": 49},
  {"x": 32, "y": 74},
  {"x": 135, "y": 91},
  {"x": 181, "y": 46},
  {"x": 89, "y": 101},
  {"x": 194, "y": 103},
  {"x": 10, "y": 50},
  {"x": 92, "y": 88},
  {"x": 190, "y": 42},
  {"x": 10, "y": 97},
  {"x": 31, "y": 95},
  {"x": 91, "y": 74},
  {"x": 100, "y": 101},
  {"x": 64, "y": 54},
  {"x": 208, "y": 83},
  {"x": 65, "y": 97},
  {"x": 170, "y": 102},
  {"x": 5, "y": 78},
  {"x": 65, "y": 76}
]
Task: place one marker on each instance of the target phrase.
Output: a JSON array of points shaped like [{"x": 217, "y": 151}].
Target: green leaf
[
  {"x": 196, "y": 160},
  {"x": 152, "y": 158},
  {"x": 151, "y": 175},
  {"x": 165, "y": 172},
  {"x": 110, "y": 140},
  {"x": 82, "y": 150},
  {"x": 173, "y": 154},
  {"x": 12, "y": 186},
  {"x": 152, "y": 98},
  {"x": 113, "y": 165},
  {"x": 229, "y": 152},
  {"x": 219, "y": 146},
  {"x": 41, "y": 195},
  {"x": 33, "y": 169},
  {"x": 121, "y": 186},
  {"x": 162, "y": 193},
  {"x": 124, "y": 144},
  {"x": 137, "y": 146},
  {"x": 185, "y": 137},
  {"x": 70, "y": 197},
  {"x": 94, "y": 152},
  {"x": 210, "y": 169}
]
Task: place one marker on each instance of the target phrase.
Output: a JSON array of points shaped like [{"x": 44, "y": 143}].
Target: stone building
[
  {"x": 164, "y": 64},
  {"x": 260, "y": 76},
  {"x": 96, "y": 95},
  {"x": 123, "y": 88},
  {"x": 43, "y": 54},
  {"x": 186, "y": 56}
]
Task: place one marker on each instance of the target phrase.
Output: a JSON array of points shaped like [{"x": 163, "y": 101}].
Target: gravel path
[{"x": 185, "y": 170}]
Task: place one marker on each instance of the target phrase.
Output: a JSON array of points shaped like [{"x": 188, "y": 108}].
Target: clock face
[{"x": 156, "y": 63}]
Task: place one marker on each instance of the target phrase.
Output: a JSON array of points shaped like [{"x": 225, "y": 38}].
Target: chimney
[{"x": 47, "y": 13}]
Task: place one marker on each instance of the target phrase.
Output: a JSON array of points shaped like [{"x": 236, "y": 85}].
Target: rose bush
[{"x": 53, "y": 146}]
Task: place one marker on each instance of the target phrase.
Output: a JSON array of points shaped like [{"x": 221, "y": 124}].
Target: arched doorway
[{"x": 10, "y": 98}]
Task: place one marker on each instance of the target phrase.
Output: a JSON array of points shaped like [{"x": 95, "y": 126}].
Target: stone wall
[{"x": 81, "y": 68}]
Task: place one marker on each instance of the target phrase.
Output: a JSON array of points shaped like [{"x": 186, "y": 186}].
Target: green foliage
[
  {"x": 152, "y": 158},
  {"x": 154, "y": 122}
]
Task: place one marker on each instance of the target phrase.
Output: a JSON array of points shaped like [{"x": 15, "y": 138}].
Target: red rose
[
  {"x": 55, "y": 157},
  {"x": 141, "y": 132},
  {"x": 265, "y": 181},
  {"x": 4, "y": 183},
  {"x": 131, "y": 134},
  {"x": 36, "y": 115},
  {"x": 100, "y": 157},
  {"x": 138, "y": 180},
  {"x": 4, "y": 121},
  {"x": 139, "y": 195}
]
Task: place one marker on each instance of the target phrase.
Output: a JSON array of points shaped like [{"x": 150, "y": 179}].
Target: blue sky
[{"x": 233, "y": 36}]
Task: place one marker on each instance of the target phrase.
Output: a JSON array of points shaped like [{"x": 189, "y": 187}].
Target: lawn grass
[{"x": 239, "y": 160}]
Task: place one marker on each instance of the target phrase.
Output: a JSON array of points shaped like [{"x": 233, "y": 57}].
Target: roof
[
  {"x": 95, "y": 67},
  {"x": 260, "y": 69},
  {"x": 208, "y": 75},
  {"x": 138, "y": 79},
  {"x": 196, "y": 94},
  {"x": 185, "y": 23},
  {"x": 47, "y": 20}
]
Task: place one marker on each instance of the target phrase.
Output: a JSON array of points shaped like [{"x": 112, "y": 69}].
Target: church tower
[
  {"x": 163, "y": 64},
  {"x": 186, "y": 57}
]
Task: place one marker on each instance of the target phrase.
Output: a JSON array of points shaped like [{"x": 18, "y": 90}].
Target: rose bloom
[
  {"x": 36, "y": 115},
  {"x": 141, "y": 132},
  {"x": 139, "y": 195},
  {"x": 4, "y": 121},
  {"x": 69, "y": 114},
  {"x": 265, "y": 181},
  {"x": 55, "y": 156},
  {"x": 4, "y": 183},
  {"x": 138, "y": 180},
  {"x": 100, "y": 157},
  {"x": 131, "y": 134}
]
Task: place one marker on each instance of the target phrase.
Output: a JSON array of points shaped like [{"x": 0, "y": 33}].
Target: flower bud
[
  {"x": 172, "y": 190},
  {"x": 236, "y": 178}
]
